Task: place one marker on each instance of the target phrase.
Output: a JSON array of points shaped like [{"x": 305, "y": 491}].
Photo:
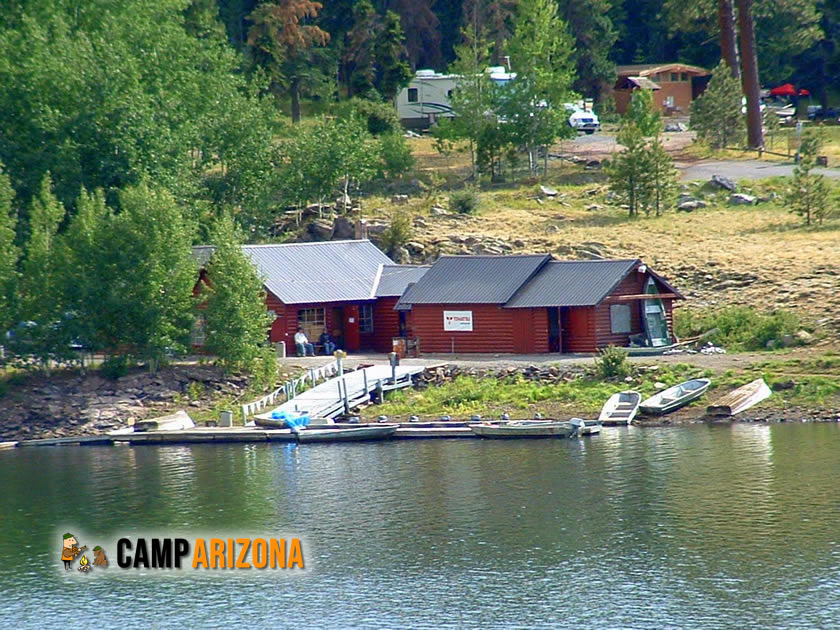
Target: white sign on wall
[{"x": 458, "y": 320}]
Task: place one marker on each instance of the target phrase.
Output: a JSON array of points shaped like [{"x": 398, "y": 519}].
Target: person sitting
[
  {"x": 327, "y": 342},
  {"x": 302, "y": 344}
]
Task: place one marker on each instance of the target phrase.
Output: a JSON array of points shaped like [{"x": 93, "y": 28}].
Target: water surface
[{"x": 696, "y": 527}]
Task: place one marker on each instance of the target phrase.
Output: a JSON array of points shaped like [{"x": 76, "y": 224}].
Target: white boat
[
  {"x": 621, "y": 408},
  {"x": 740, "y": 399},
  {"x": 347, "y": 434},
  {"x": 524, "y": 429},
  {"x": 586, "y": 427},
  {"x": 673, "y": 398}
]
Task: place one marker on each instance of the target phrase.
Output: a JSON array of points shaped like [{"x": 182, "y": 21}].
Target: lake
[{"x": 695, "y": 527}]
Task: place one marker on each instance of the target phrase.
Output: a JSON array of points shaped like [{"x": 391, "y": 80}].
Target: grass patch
[{"x": 738, "y": 328}]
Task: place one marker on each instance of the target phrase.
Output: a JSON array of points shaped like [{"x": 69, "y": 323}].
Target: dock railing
[{"x": 290, "y": 388}]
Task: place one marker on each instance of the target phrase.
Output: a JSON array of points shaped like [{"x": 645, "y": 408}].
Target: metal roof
[
  {"x": 572, "y": 283},
  {"x": 647, "y": 69},
  {"x": 395, "y": 279},
  {"x": 473, "y": 280},
  {"x": 330, "y": 271}
]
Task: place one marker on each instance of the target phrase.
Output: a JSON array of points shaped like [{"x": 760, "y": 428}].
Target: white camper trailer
[{"x": 427, "y": 98}]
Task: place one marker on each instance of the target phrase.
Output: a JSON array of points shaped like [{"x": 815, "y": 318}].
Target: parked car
[
  {"x": 582, "y": 120},
  {"x": 818, "y": 112}
]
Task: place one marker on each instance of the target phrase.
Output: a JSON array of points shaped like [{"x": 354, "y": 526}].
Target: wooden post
[
  {"x": 379, "y": 393},
  {"x": 346, "y": 401},
  {"x": 364, "y": 376},
  {"x": 312, "y": 376}
]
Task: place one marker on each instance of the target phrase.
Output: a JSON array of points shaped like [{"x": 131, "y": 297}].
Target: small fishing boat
[
  {"x": 742, "y": 398},
  {"x": 586, "y": 427},
  {"x": 673, "y": 398},
  {"x": 524, "y": 429},
  {"x": 621, "y": 408},
  {"x": 347, "y": 434}
]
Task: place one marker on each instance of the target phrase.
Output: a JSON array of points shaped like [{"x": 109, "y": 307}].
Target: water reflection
[{"x": 690, "y": 527}]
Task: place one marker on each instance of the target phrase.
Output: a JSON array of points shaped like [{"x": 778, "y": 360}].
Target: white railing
[{"x": 289, "y": 389}]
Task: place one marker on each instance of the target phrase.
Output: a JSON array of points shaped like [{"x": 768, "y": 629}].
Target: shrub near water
[
  {"x": 464, "y": 201},
  {"x": 737, "y": 327},
  {"x": 612, "y": 363}
]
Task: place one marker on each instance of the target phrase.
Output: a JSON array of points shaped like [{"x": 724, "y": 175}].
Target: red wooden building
[
  {"x": 348, "y": 288},
  {"x": 533, "y": 304}
]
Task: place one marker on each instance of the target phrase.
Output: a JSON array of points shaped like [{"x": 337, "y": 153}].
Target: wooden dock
[
  {"x": 220, "y": 435},
  {"x": 343, "y": 393}
]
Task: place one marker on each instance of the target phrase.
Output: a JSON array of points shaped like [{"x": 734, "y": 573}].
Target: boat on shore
[
  {"x": 621, "y": 408},
  {"x": 742, "y": 398},
  {"x": 524, "y": 429},
  {"x": 673, "y": 398},
  {"x": 346, "y": 434}
]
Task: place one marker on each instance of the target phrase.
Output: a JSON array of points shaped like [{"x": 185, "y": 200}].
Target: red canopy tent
[{"x": 783, "y": 90}]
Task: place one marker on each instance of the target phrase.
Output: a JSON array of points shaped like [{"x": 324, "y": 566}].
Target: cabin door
[
  {"x": 554, "y": 337},
  {"x": 653, "y": 314},
  {"x": 337, "y": 326},
  {"x": 563, "y": 327},
  {"x": 352, "y": 338}
]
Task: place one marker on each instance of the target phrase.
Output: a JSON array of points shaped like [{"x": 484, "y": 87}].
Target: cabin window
[
  {"x": 412, "y": 95},
  {"x": 669, "y": 101},
  {"x": 366, "y": 318},
  {"x": 312, "y": 321},
  {"x": 675, "y": 76},
  {"x": 684, "y": 76},
  {"x": 620, "y": 319},
  {"x": 449, "y": 94}
]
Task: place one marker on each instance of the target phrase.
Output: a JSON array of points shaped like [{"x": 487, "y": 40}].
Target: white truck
[{"x": 582, "y": 119}]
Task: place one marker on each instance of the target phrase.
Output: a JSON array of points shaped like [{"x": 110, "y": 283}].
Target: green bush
[
  {"x": 395, "y": 155},
  {"x": 464, "y": 201},
  {"x": 612, "y": 363},
  {"x": 737, "y": 327},
  {"x": 397, "y": 234},
  {"x": 381, "y": 118},
  {"x": 114, "y": 367}
]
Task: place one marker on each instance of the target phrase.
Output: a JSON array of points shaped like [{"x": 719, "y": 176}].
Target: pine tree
[
  {"x": 233, "y": 307},
  {"x": 642, "y": 113},
  {"x": 808, "y": 196},
  {"x": 716, "y": 116},
  {"x": 279, "y": 33},
  {"x": 359, "y": 57},
  {"x": 540, "y": 50},
  {"x": 40, "y": 292},
  {"x": 8, "y": 253},
  {"x": 663, "y": 178},
  {"x": 629, "y": 171},
  {"x": 393, "y": 71}
]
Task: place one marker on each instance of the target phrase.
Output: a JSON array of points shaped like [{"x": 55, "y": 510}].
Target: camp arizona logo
[{"x": 208, "y": 553}]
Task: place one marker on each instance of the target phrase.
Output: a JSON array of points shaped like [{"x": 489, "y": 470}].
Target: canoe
[
  {"x": 586, "y": 427},
  {"x": 523, "y": 429},
  {"x": 673, "y": 398},
  {"x": 740, "y": 399},
  {"x": 621, "y": 408},
  {"x": 347, "y": 434}
]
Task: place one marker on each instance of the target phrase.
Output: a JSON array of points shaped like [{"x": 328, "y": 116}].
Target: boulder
[
  {"x": 675, "y": 126},
  {"x": 805, "y": 337},
  {"x": 320, "y": 230},
  {"x": 724, "y": 182},
  {"x": 343, "y": 229},
  {"x": 415, "y": 248},
  {"x": 690, "y": 205},
  {"x": 741, "y": 199},
  {"x": 399, "y": 200}
]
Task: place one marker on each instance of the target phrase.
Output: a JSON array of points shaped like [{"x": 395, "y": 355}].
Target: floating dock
[{"x": 205, "y": 435}]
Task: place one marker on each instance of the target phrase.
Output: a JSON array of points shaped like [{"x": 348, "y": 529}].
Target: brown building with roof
[
  {"x": 533, "y": 304},
  {"x": 674, "y": 85}
]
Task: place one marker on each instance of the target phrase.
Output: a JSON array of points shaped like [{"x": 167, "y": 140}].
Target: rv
[{"x": 427, "y": 97}]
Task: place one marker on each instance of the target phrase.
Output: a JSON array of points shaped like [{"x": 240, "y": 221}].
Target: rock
[
  {"x": 742, "y": 199},
  {"x": 593, "y": 164},
  {"x": 628, "y": 379},
  {"x": 403, "y": 256},
  {"x": 420, "y": 222},
  {"x": 787, "y": 341},
  {"x": 783, "y": 385},
  {"x": 675, "y": 126},
  {"x": 771, "y": 343},
  {"x": 805, "y": 337},
  {"x": 660, "y": 385},
  {"x": 765, "y": 198},
  {"x": 724, "y": 182},
  {"x": 320, "y": 230},
  {"x": 437, "y": 211},
  {"x": 343, "y": 229},
  {"x": 399, "y": 200},
  {"x": 548, "y": 192},
  {"x": 415, "y": 248},
  {"x": 690, "y": 206},
  {"x": 593, "y": 206}
]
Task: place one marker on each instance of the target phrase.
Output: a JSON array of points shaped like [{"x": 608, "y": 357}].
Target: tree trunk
[
  {"x": 728, "y": 47},
  {"x": 295, "y": 90},
  {"x": 749, "y": 61}
]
